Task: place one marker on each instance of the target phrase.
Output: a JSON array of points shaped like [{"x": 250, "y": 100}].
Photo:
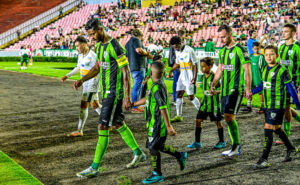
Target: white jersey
[
  {"x": 84, "y": 65},
  {"x": 24, "y": 51},
  {"x": 186, "y": 59}
]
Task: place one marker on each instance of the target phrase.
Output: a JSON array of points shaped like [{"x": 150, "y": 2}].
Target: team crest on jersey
[
  {"x": 231, "y": 55},
  {"x": 273, "y": 115},
  {"x": 272, "y": 74},
  {"x": 105, "y": 54},
  {"x": 290, "y": 52}
]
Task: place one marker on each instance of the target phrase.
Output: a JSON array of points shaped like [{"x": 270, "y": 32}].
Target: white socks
[
  {"x": 249, "y": 104},
  {"x": 179, "y": 102},
  {"x": 82, "y": 118},
  {"x": 98, "y": 110},
  {"x": 196, "y": 103}
]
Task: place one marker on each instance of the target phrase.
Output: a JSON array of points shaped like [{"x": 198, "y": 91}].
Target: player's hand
[
  {"x": 193, "y": 81},
  {"x": 170, "y": 75},
  {"x": 127, "y": 103},
  {"x": 77, "y": 84},
  {"x": 171, "y": 131},
  {"x": 144, "y": 82},
  {"x": 63, "y": 79},
  {"x": 212, "y": 91},
  {"x": 248, "y": 94}
]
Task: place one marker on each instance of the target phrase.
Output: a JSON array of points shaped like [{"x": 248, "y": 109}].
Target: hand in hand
[
  {"x": 77, "y": 84},
  {"x": 63, "y": 79},
  {"x": 171, "y": 131}
]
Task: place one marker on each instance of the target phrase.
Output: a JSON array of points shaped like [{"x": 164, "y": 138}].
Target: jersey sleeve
[
  {"x": 193, "y": 57},
  {"x": 286, "y": 77},
  {"x": 161, "y": 99},
  {"x": 177, "y": 58},
  {"x": 119, "y": 53},
  {"x": 244, "y": 56}
]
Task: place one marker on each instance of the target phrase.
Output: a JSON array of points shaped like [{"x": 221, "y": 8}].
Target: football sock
[
  {"x": 179, "y": 106},
  {"x": 221, "y": 134},
  {"x": 282, "y": 135},
  {"x": 171, "y": 151},
  {"x": 156, "y": 163},
  {"x": 234, "y": 132},
  {"x": 249, "y": 104},
  {"x": 267, "y": 143},
  {"x": 198, "y": 134},
  {"x": 98, "y": 110},
  {"x": 196, "y": 103},
  {"x": 84, "y": 112},
  {"x": 128, "y": 137},
  {"x": 287, "y": 128},
  {"x": 101, "y": 148}
]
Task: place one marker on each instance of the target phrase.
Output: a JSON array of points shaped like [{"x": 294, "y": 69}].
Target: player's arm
[
  {"x": 139, "y": 102},
  {"x": 248, "y": 77},
  {"x": 175, "y": 66},
  {"x": 73, "y": 72},
  {"x": 170, "y": 129},
  {"x": 92, "y": 73},
  {"x": 126, "y": 81},
  {"x": 195, "y": 67},
  {"x": 293, "y": 92},
  {"x": 216, "y": 79},
  {"x": 257, "y": 89}
]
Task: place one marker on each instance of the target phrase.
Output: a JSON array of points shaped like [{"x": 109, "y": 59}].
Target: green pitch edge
[{"x": 13, "y": 174}]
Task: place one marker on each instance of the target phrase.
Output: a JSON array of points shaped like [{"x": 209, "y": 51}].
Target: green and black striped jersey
[
  {"x": 289, "y": 56},
  {"x": 232, "y": 61},
  {"x": 111, "y": 58},
  {"x": 209, "y": 103},
  {"x": 274, "y": 89},
  {"x": 157, "y": 100}
]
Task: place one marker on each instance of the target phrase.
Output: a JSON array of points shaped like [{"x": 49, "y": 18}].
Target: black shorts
[
  {"x": 274, "y": 116},
  {"x": 213, "y": 117},
  {"x": 156, "y": 142},
  {"x": 231, "y": 104},
  {"x": 111, "y": 111}
]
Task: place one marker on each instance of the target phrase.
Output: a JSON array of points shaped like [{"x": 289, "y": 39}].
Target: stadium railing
[{"x": 36, "y": 21}]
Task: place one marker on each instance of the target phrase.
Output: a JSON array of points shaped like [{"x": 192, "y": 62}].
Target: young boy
[
  {"x": 210, "y": 106},
  {"x": 157, "y": 113},
  {"x": 24, "y": 53},
  {"x": 257, "y": 63},
  {"x": 276, "y": 82}
]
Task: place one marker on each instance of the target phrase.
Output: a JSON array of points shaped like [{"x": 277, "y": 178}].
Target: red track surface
[{"x": 15, "y": 12}]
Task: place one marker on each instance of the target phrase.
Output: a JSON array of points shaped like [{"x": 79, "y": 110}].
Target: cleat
[
  {"x": 75, "y": 134},
  {"x": 176, "y": 119},
  {"x": 247, "y": 109},
  {"x": 220, "y": 145},
  {"x": 278, "y": 142},
  {"x": 261, "y": 163},
  {"x": 195, "y": 145},
  {"x": 153, "y": 178},
  {"x": 261, "y": 111},
  {"x": 231, "y": 153},
  {"x": 174, "y": 103},
  {"x": 182, "y": 160},
  {"x": 87, "y": 173},
  {"x": 293, "y": 152},
  {"x": 136, "y": 160}
]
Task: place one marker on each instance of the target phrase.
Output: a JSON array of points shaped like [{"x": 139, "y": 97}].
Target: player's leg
[
  {"x": 95, "y": 103},
  {"x": 231, "y": 107},
  {"x": 190, "y": 91},
  {"x": 200, "y": 116},
  {"x": 157, "y": 175},
  {"x": 176, "y": 74},
  {"x": 221, "y": 143},
  {"x": 179, "y": 104},
  {"x": 295, "y": 115},
  {"x": 126, "y": 134},
  {"x": 288, "y": 119},
  {"x": 180, "y": 156},
  {"x": 261, "y": 110}
]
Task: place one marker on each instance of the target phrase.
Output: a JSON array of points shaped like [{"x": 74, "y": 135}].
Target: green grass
[
  {"x": 11, "y": 173},
  {"x": 56, "y": 69}
]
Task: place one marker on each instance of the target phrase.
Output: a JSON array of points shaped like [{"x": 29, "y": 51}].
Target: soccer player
[
  {"x": 114, "y": 74},
  {"x": 86, "y": 61},
  {"x": 187, "y": 62},
  {"x": 234, "y": 67},
  {"x": 257, "y": 63},
  {"x": 157, "y": 111},
  {"x": 30, "y": 55},
  {"x": 276, "y": 81},
  {"x": 289, "y": 56},
  {"x": 210, "y": 106},
  {"x": 24, "y": 53}
]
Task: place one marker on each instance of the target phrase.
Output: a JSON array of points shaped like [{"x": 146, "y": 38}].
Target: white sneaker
[
  {"x": 231, "y": 153},
  {"x": 89, "y": 172},
  {"x": 136, "y": 160}
]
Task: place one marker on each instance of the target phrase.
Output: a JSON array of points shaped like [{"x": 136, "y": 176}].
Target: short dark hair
[
  {"x": 158, "y": 65},
  {"x": 208, "y": 60},
  {"x": 157, "y": 57},
  {"x": 180, "y": 33},
  {"x": 93, "y": 24},
  {"x": 226, "y": 28},
  {"x": 175, "y": 40},
  {"x": 274, "y": 48},
  {"x": 291, "y": 26},
  {"x": 81, "y": 39},
  {"x": 256, "y": 44}
]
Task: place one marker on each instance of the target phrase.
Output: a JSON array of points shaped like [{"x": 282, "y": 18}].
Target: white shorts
[
  {"x": 189, "y": 89},
  {"x": 89, "y": 96}
]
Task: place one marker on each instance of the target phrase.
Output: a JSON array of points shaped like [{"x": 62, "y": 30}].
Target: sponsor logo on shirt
[
  {"x": 105, "y": 54},
  {"x": 206, "y": 93},
  {"x": 286, "y": 62},
  {"x": 227, "y": 67},
  {"x": 104, "y": 65}
]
